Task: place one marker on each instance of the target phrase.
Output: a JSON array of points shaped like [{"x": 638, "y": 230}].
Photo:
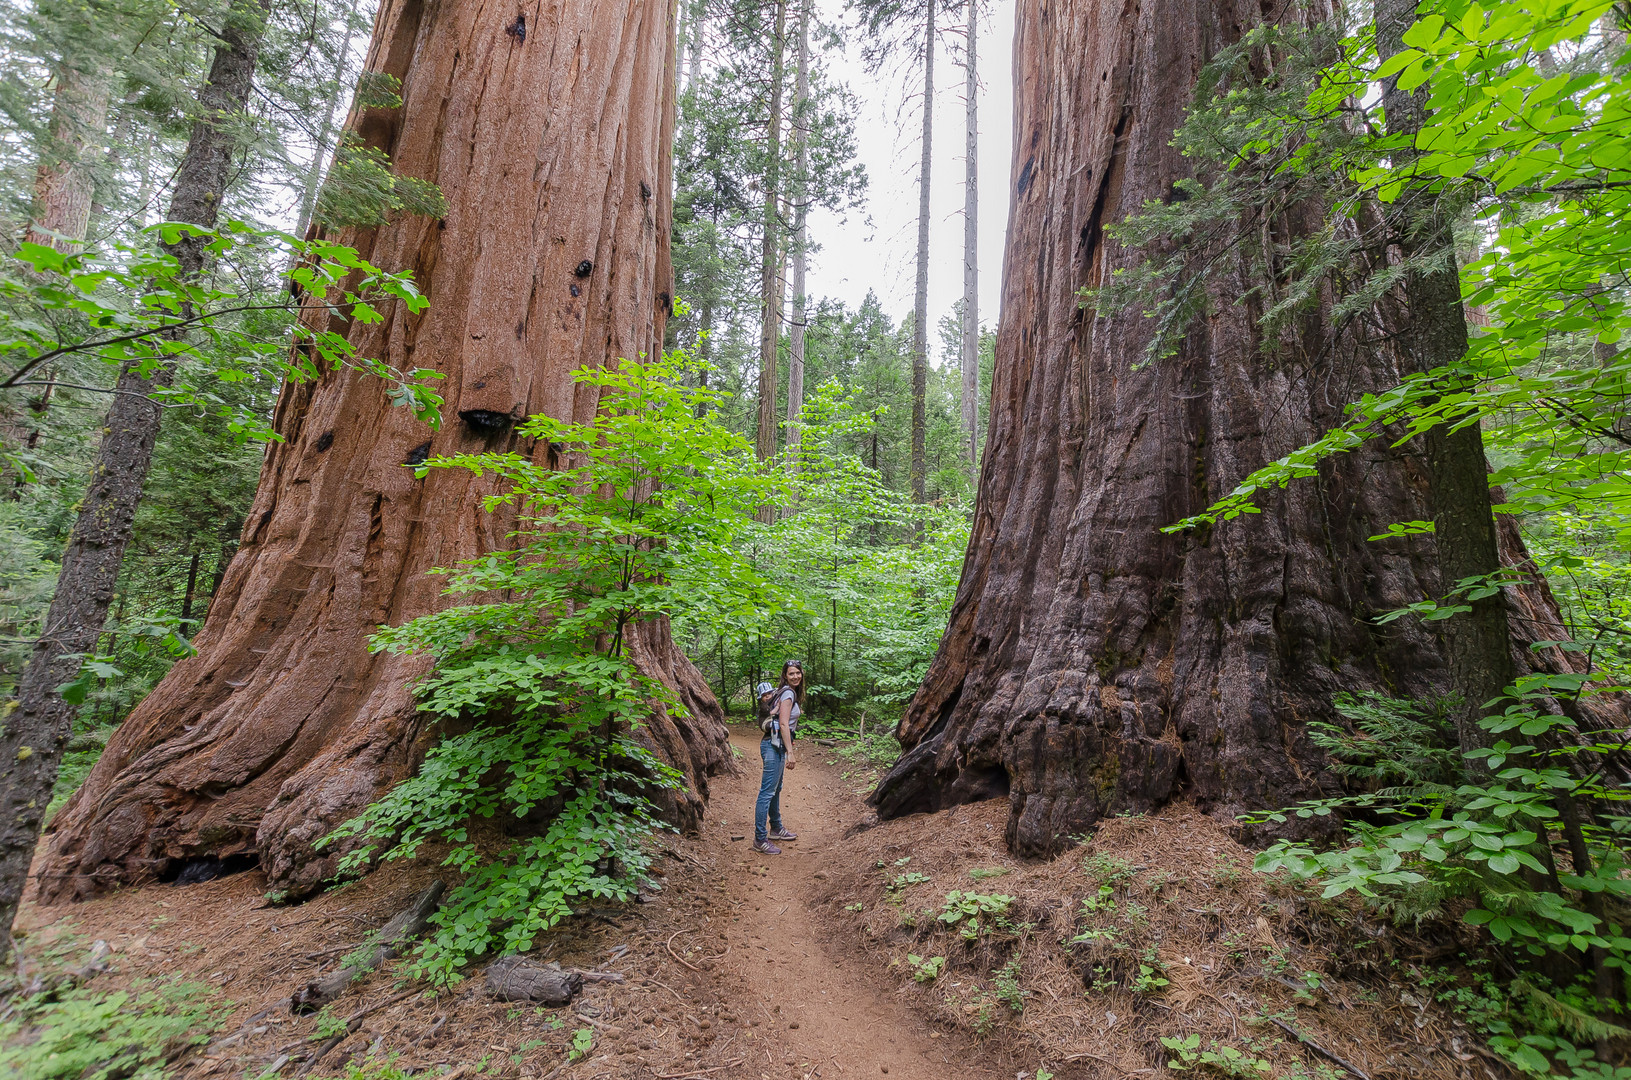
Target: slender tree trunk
[
  {"x": 705, "y": 347},
  {"x": 801, "y": 165},
  {"x": 223, "y": 559},
  {"x": 920, "y": 305},
  {"x": 112, "y": 158},
  {"x": 192, "y": 587},
  {"x": 31, "y": 746},
  {"x": 144, "y": 181},
  {"x": 971, "y": 245},
  {"x": 770, "y": 277},
  {"x": 686, "y": 15},
  {"x": 553, "y": 256},
  {"x": 1093, "y": 664},
  {"x": 1477, "y": 644},
  {"x": 699, "y": 24},
  {"x": 322, "y": 151},
  {"x": 63, "y": 184}
]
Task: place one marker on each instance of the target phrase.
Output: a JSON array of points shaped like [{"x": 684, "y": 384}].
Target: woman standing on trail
[{"x": 776, "y": 749}]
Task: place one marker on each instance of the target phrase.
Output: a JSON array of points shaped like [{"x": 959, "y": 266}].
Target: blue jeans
[{"x": 770, "y": 792}]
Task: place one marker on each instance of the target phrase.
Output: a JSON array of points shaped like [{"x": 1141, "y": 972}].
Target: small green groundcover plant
[
  {"x": 926, "y": 968},
  {"x": 644, "y": 516},
  {"x": 93, "y": 1034},
  {"x": 966, "y": 908}
]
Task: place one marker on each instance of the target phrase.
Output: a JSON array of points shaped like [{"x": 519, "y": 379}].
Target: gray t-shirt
[
  {"x": 788, "y": 694},
  {"x": 785, "y": 694}
]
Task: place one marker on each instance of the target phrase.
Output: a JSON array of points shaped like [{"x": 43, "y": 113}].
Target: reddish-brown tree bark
[
  {"x": 1093, "y": 664},
  {"x": 63, "y": 184},
  {"x": 550, "y": 139}
]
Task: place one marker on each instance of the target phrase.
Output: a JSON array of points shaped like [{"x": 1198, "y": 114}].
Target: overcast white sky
[{"x": 875, "y": 248}]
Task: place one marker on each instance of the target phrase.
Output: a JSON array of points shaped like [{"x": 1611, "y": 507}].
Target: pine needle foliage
[
  {"x": 361, "y": 190},
  {"x": 1395, "y": 747}
]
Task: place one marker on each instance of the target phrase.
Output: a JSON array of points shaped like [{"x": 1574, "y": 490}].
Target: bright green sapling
[{"x": 536, "y": 686}]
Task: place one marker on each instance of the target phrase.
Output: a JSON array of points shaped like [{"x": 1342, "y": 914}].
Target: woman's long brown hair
[{"x": 798, "y": 691}]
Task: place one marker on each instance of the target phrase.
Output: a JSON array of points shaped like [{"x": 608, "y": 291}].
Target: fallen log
[
  {"x": 510, "y": 978},
  {"x": 390, "y": 941},
  {"x": 599, "y": 976},
  {"x": 353, "y": 1022}
]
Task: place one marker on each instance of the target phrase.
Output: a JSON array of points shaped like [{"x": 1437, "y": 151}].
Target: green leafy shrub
[
  {"x": 327, "y": 1024},
  {"x": 1151, "y": 975},
  {"x": 373, "y": 1070},
  {"x": 1221, "y": 1058},
  {"x": 905, "y": 881},
  {"x": 87, "y": 1034},
  {"x": 644, "y": 519},
  {"x": 1007, "y": 987},
  {"x": 1107, "y": 869},
  {"x": 1100, "y": 902}
]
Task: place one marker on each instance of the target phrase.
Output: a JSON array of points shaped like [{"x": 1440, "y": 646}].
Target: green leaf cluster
[{"x": 132, "y": 308}]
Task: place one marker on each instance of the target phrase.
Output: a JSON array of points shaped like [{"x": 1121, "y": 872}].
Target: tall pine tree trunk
[
  {"x": 31, "y": 746},
  {"x": 554, "y": 156},
  {"x": 693, "y": 60},
  {"x": 63, "y": 184},
  {"x": 801, "y": 166},
  {"x": 970, "y": 352},
  {"x": 920, "y": 303},
  {"x": 321, "y": 152},
  {"x": 1476, "y": 643},
  {"x": 770, "y": 274},
  {"x": 1094, "y": 664}
]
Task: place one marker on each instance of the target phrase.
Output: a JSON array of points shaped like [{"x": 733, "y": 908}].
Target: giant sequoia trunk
[
  {"x": 550, "y": 139},
  {"x": 1094, "y": 665}
]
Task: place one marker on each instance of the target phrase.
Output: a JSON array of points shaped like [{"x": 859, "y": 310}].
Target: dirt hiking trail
[
  {"x": 833, "y": 1006},
  {"x": 732, "y": 968}
]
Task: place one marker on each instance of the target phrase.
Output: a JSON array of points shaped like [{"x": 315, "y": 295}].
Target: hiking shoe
[
  {"x": 783, "y": 834},
  {"x": 767, "y": 848}
]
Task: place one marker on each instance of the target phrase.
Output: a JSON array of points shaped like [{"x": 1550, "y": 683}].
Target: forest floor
[{"x": 820, "y": 962}]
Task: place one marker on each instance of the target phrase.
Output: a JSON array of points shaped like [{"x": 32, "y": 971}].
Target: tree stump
[{"x": 512, "y": 978}]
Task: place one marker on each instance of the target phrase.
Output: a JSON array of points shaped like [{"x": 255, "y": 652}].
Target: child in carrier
[{"x": 767, "y": 696}]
